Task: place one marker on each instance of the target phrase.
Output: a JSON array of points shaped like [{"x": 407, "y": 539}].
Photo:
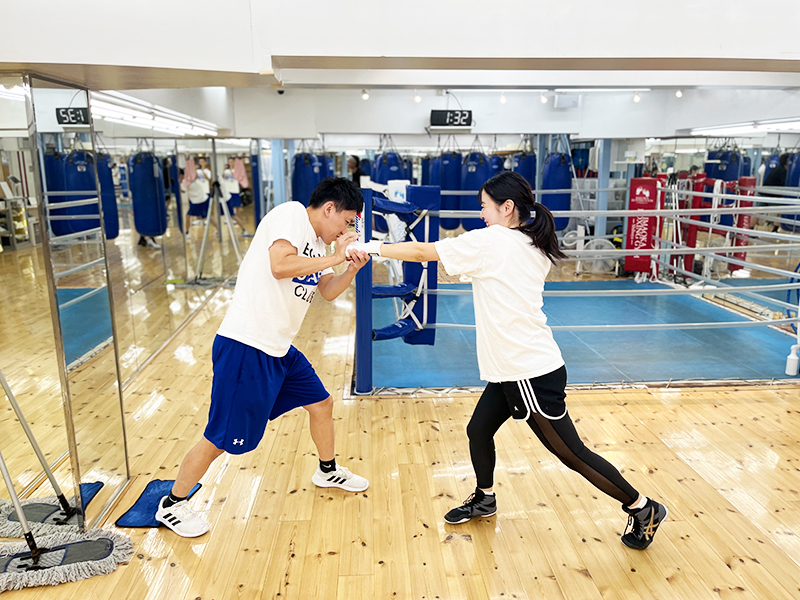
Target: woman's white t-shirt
[
  {"x": 266, "y": 313},
  {"x": 508, "y": 273}
]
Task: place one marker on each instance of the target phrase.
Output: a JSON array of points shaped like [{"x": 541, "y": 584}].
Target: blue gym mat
[
  {"x": 85, "y": 325},
  {"x": 143, "y": 511},
  {"x": 594, "y": 357}
]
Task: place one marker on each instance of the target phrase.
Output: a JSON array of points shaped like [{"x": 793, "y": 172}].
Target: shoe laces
[
  {"x": 183, "y": 511},
  {"x": 343, "y": 472},
  {"x": 636, "y": 524},
  {"x": 472, "y": 500}
]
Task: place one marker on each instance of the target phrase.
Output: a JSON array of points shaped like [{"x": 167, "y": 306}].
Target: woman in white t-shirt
[
  {"x": 230, "y": 195},
  {"x": 508, "y": 262},
  {"x": 197, "y": 191}
]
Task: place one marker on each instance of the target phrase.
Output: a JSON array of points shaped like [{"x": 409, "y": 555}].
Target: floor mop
[{"x": 45, "y": 515}]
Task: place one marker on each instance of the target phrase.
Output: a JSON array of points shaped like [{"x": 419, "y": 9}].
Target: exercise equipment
[
  {"x": 148, "y": 196},
  {"x": 79, "y": 176},
  {"x": 475, "y": 171},
  {"x": 557, "y": 175},
  {"x": 435, "y": 177},
  {"x": 580, "y": 160},
  {"x": 497, "y": 164},
  {"x": 450, "y": 180},
  {"x": 306, "y": 175},
  {"x": 366, "y": 166},
  {"x": 747, "y": 166},
  {"x": 773, "y": 161},
  {"x": 389, "y": 166},
  {"x": 54, "y": 178},
  {"x": 525, "y": 164},
  {"x": 108, "y": 197},
  {"x": 425, "y": 171}
]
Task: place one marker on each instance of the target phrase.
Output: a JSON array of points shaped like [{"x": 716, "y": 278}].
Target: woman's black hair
[{"x": 542, "y": 229}]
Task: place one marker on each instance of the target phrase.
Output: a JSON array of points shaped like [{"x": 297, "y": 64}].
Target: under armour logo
[{"x": 238, "y": 442}]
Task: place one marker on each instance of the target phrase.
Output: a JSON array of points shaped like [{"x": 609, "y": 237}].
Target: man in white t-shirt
[{"x": 258, "y": 373}]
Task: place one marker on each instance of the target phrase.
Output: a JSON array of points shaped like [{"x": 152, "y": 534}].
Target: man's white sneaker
[
  {"x": 181, "y": 518},
  {"x": 341, "y": 478}
]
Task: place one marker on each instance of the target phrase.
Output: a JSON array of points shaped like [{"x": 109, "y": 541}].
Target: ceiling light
[
  {"x": 543, "y": 99},
  {"x": 417, "y": 97},
  {"x": 364, "y": 95},
  {"x": 503, "y": 98},
  {"x": 590, "y": 90},
  {"x": 678, "y": 94},
  {"x": 636, "y": 97}
]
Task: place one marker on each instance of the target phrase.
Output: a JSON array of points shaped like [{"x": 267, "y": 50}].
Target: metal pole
[{"x": 603, "y": 174}]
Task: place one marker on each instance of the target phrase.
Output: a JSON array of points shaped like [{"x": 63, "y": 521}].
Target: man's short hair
[
  {"x": 344, "y": 194},
  {"x": 784, "y": 158},
  {"x": 354, "y": 159}
]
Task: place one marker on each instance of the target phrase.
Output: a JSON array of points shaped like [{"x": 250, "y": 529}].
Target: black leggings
[{"x": 558, "y": 436}]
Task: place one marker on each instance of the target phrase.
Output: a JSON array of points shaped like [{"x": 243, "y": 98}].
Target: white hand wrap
[{"x": 372, "y": 248}]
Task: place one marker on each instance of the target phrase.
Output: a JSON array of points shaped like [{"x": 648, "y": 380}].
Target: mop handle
[
  {"x": 29, "y": 433},
  {"x": 23, "y": 521}
]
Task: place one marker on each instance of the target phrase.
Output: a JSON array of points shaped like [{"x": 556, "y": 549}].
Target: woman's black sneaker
[
  {"x": 477, "y": 505},
  {"x": 643, "y": 523}
]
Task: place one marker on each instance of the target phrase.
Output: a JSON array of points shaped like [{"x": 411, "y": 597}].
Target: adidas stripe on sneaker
[
  {"x": 341, "y": 478},
  {"x": 182, "y": 519}
]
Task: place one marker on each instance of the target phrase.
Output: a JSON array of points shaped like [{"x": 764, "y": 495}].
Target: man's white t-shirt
[
  {"x": 266, "y": 313},
  {"x": 508, "y": 273}
]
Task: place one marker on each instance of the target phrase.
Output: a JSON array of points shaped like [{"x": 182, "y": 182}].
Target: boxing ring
[{"x": 688, "y": 306}]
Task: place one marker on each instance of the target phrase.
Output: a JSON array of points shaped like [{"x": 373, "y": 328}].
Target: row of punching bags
[
  {"x": 75, "y": 172},
  {"x": 452, "y": 171},
  {"x": 308, "y": 170}
]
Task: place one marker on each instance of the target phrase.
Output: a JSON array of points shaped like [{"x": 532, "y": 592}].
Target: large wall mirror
[
  {"x": 28, "y": 358},
  {"x": 79, "y": 212}
]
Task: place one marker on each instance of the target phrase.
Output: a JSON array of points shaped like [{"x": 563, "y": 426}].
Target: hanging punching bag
[
  {"x": 475, "y": 171},
  {"x": 175, "y": 186},
  {"x": 108, "y": 196},
  {"x": 557, "y": 175},
  {"x": 773, "y": 162},
  {"x": 792, "y": 180},
  {"x": 747, "y": 166},
  {"x": 305, "y": 176},
  {"x": 54, "y": 177},
  {"x": 79, "y": 177},
  {"x": 148, "y": 197},
  {"x": 366, "y": 166},
  {"x": 497, "y": 164},
  {"x": 450, "y": 179},
  {"x": 389, "y": 166},
  {"x": 710, "y": 168},
  {"x": 425, "y": 171},
  {"x": 525, "y": 165},
  {"x": 435, "y": 176}
]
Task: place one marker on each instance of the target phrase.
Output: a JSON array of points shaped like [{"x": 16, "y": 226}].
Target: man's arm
[
  {"x": 331, "y": 286},
  {"x": 286, "y": 263}
]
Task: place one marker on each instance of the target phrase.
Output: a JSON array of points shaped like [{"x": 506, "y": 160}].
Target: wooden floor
[{"x": 725, "y": 461}]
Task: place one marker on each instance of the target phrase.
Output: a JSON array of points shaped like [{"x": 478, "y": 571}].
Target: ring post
[{"x": 364, "y": 307}]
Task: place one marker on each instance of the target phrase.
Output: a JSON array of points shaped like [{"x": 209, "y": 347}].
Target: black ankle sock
[
  {"x": 327, "y": 466},
  {"x": 172, "y": 499}
]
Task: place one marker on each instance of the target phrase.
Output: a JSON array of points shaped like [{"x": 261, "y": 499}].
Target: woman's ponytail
[{"x": 542, "y": 231}]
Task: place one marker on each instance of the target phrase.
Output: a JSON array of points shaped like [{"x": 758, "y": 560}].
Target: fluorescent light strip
[{"x": 591, "y": 90}]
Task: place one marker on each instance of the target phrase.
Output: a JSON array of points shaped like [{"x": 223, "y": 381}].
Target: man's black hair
[
  {"x": 344, "y": 194},
  {"x": 784, "y": 158}
]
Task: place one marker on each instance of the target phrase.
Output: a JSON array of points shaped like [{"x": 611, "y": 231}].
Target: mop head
[
  {"x": 69, "y": 557},
  {"x": 43, "y": 514}
]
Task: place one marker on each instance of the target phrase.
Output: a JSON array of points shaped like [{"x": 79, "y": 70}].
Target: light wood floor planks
[{"x": 724, "y": 460}]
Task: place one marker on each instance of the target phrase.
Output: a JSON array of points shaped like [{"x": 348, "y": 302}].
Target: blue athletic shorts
[{"x": 251, "y": 388}]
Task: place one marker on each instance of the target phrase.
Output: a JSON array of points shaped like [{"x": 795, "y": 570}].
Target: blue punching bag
[
  {"x": 497, "y": 164},
  {"x": 747, "y": 166},
  {"x": 108, "y": 196},
  {"x": 450, "y": 179},
  {"x": 79, "y": 177},
  {"x": 366, "y": 166},
  {"x": 305, "y": 176},
  {"x": 425, "y": 171},
  {"x": 773, "y": 162},
  {"x": 475, "y": 171},
  {"x": 327, "y": 166},
  {"x": 729, "y": 169},
  {"x": 711, "y": 168},
  {"x": 435, "y": 176},
  {"x": 148, "y": 197},
  {"x": 793, "y": 171},
  {"x": 389, "y": 166},
  {"x": 54, "y": 177},
  {"x": 525, "y": 165},
  {"x": 557, "y": 175}
]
